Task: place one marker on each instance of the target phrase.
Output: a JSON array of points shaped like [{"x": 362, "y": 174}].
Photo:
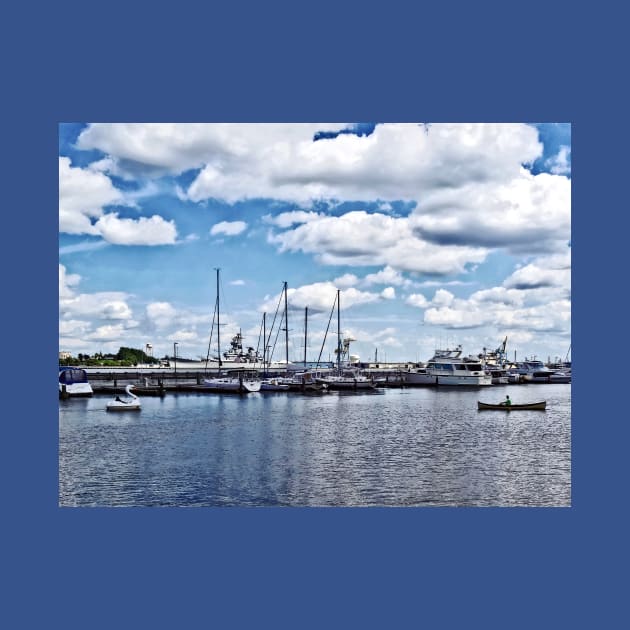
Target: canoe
[{"x": 537, "y": 405}]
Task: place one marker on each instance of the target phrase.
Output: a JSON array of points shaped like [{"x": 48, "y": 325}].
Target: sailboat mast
[
  {"x": 218, "y": 320},
  {"x": 338, "y": 330},
  {"x": 286, "y": 325},
  {"x": 305, "y": 332},
  {"x": 264, "y": 342}
]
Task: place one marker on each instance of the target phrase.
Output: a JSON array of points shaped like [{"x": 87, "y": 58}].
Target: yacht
[
  {"x": 418, "y": 375},
  {"x": 534, "y": 371},
  {"x": 73, "y": 382},
  {"x": 448, "y": 367}
]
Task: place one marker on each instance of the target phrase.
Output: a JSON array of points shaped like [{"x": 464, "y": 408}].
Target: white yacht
[
  {"x": 448, "y": 368},
  {"x": 534, "y": 371},
  {"x": 418, "y": 375}
]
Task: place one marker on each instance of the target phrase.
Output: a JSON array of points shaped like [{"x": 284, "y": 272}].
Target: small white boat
[
  {"x": 238, "y": 381},
  {"x": 347, "y": 379},
  {"x": 132, "y": 403}
]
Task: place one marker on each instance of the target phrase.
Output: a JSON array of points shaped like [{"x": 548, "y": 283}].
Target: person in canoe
[{"x": 507, "y": 402}]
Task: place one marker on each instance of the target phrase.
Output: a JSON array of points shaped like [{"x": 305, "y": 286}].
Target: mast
[
  {"x": 265, "y": 343},
  {"x": 338, "y": 330},
  {"x": 218, "y": 320},
  {"x": 286, "y": 325},
  {"x": 305, "y": 332}
]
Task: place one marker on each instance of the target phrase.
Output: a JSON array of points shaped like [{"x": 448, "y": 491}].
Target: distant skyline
[{"x": 436, "y": 234}]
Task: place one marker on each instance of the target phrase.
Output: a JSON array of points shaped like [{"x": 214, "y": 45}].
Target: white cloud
[
  {"x": 104, "y": 305},
  {"x": 388, "y": 293},
  {"x": 466, "y": 179},
  {"x": 418, "y": 300},
  {"x": 320, "y": 297},
  {"x": 359, "y": 238},
  {"x": 229, "y": 228},
  {"x": 560, "y": 164},
  {"x": 161, "y": 314},
  {"x": 237, "y": 283},
  {"x": 345, "y": 281},
  {"x": 288, "y": 219},
  {"x": 142, "y": 231},
  {"x": 443, "y": 297},
  {"x": 82, "y": 196}
]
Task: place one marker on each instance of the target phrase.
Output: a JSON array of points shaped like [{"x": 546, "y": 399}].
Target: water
[{"x": 392, "y": 447}]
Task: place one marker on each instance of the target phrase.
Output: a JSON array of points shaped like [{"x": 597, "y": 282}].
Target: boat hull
[
  {"x": 538, "y": 406},
  {"x": 230, "y": 386},
  {"x": 470, "y": 381},
  {"x": 133, "y": 407},
  {"x": 413, "y": 378}
]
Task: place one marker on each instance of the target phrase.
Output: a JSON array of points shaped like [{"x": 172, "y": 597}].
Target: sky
[{"x": 436, "y": 235}]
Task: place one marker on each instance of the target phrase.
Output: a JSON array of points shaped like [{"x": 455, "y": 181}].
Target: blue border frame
[{"x": 307, "y": 567}]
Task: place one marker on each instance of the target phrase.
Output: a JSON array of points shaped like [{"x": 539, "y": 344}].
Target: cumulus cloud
[
  {"x": 467, "y": 180},
  {"x": 288, "y": 219},
  {"x": 345, "y": 281},
  {"x": 229, "y": 228},
  {"x": 418, "y": 300},
  {"x": 560, "y": 164},
  {"x": 320, "y": 297},
  {"x": 549, "y": 271},
  {"x": 388, "y": 293},
  {"x": 360, "y": 238},
  {"x": 142, "y": 231},
  {"x": 83, "y": 195},
  {"x": 161, "y": 314},
  {"x": 105, "y": 305}
]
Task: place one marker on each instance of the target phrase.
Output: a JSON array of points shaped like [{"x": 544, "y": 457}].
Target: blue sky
[{"x": 437, "y": 234}]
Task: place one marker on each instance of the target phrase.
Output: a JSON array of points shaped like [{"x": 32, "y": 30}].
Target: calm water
[{"x": 395, "y": 447}]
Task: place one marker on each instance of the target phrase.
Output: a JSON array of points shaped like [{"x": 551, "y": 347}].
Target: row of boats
[{"x": 445, "y": 368}]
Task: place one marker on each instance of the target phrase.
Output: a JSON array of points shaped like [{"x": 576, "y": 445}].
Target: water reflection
[{"x": 383, "y": 447}]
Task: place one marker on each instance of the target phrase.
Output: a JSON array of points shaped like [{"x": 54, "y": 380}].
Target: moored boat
[
  {"x": 514, "y": 406},
  {"x": 237, "y": 381},
  {"x": 448, "y": 368},
  {"x": 73, "y": 382}
]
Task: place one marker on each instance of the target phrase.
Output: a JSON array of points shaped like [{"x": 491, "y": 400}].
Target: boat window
[
  {"x": 473, "y": 367},
  {"x": 73, "y": 376}
]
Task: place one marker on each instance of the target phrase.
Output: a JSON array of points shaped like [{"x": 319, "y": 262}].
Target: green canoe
[{"x": 537, "y": 405}]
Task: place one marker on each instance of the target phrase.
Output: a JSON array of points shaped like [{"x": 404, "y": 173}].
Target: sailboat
[
  {"x": 347, "y": 377},
  {"x": 239, "y": 381}
]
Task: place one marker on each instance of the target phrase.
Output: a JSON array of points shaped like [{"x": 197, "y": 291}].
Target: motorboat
[
  {"x": 349, "y": 378},
  {"x": 234, "y": 381},
  {"x": 131, "y": 403},
  {"x": 73, "y": 382},
  {"x": 534, "y": 371},
  {"x": 447, "y": 367},
  {"x": 418, "y": 376}
]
